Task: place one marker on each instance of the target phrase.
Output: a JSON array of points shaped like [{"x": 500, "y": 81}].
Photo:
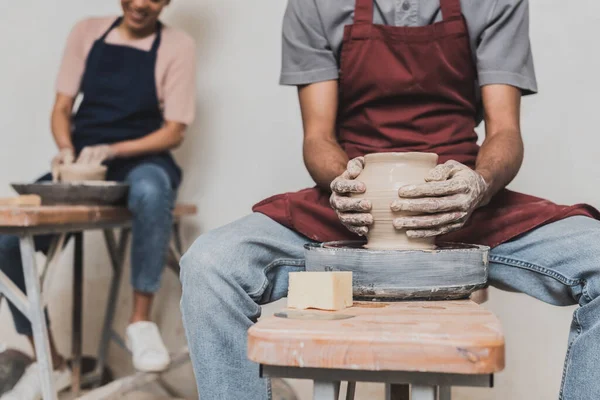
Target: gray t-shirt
[{"x": 499, "y": 34}]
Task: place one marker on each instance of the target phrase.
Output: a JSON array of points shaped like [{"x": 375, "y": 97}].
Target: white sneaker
[
  {"x": 145, "y": 343},
  {"x": 29, "y": 386}
]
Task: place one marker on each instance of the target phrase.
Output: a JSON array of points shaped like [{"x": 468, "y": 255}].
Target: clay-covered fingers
[
  {"x": 426, "y": 233},
  {"x": 344, "y": 185},
  {"x": 355, "y": 167},
  {"x": 347, "y": 183},
  {"x": 435, "y": 188},
  {"x": 431, "y": 205},
  {"x": 356, "y": 219},
  {"x": 95, "y": 155},
  {"x": 359, "y": 230},
  {"x": 346, "y": 204},
  {"x": 67, "y": 157},
  {"x": 86, "y": 156},
  {"x": 429, "y": 221},
  {"x": 356, "y": 222},
  {"x": 443, "y": 171},
  {"x": 64, "y": 156}
]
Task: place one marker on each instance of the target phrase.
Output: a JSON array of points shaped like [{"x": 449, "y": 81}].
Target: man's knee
[
  {"x": 227, "y": 258},
  {"x": 582, "y": 235},
  {"x": 150, "y": 188},
  {"x": 200, "y": 263}
]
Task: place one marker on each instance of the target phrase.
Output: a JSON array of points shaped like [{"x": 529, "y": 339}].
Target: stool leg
[
  {"x": 351, "y": 391},
  {"x": 397, "y": 392},
  {"x": 423, "y": 392},
  {"x": 324, "y": 390},
  {"x": 38, "y": 320},
  {"x": 444, "y": 393}
]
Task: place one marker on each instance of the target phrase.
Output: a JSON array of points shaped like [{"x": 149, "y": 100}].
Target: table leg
[
  {"x": 419, "y": 392},
  {"x": 77, "y": 312},
  {"x": 397, "y": 392},
  {"x": 444, "y": 393},
  {"x": 117, "y": 254},
  {"x": 37, "y": 318},
  {"x": 324, "y": 390},
  {"x": 177, "y": 237},
  {"x": 351, "y": 391},
  {"x": 175, "y": 249}
]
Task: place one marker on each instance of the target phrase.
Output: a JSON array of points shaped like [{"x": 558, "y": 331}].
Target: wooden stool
[{"x": 430, "y": 345}]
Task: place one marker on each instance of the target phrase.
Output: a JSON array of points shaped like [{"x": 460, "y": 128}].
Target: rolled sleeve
[
  {"x": 504, "y": 51},
  {"x": 180, "y": 84},
  {"x": 307, "y": 56},
  {"x": 73, "y": 61}
]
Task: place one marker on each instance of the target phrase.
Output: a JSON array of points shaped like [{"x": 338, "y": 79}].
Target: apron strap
[
  {"x": 363, "y": 11},
  {"x": 158, "y": 37},
  {"x": 450, "y": 8},
  {"x": 113, "y": 26}
]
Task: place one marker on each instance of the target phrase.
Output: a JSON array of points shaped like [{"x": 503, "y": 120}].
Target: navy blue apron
[{"x": 120, "y": 103}]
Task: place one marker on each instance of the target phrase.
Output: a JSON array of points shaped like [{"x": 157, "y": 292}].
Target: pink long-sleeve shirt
[{"x": 175, "y": 65}]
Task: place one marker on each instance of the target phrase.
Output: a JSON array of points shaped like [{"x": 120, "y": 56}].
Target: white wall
[{"x": 246, "y": 145}]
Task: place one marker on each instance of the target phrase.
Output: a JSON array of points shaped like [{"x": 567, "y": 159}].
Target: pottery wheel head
[{"x": 449, "y": 271}]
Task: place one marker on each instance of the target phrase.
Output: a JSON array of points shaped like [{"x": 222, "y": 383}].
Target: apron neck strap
[
  {"x": 363, "y": 11},
  {"x": 450, "y": 8},
  {"x": 158, "y": 37},
  {"x": 113, "y": 26}
]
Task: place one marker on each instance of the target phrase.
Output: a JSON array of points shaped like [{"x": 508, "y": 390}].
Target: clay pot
[
  {"x": 81, "y": 173},
  {"x": 383, "y": 175}
]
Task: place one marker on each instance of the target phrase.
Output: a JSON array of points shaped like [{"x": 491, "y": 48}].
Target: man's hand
[
  {"x": 96, "y": 155},
  {"x": 448, "y": 198},
  {"x": 65, "y": 156},
  {"x": 353, "y": 213}
]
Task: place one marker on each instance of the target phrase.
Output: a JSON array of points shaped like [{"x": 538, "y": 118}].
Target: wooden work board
[
  {"x": 459, "y": 337},
  {"x": 27, "y": 216}
]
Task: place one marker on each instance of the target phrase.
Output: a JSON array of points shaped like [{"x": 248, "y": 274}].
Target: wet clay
[
  {"x": 383, "y": 175},
  {"x": 81, "y": 173}
]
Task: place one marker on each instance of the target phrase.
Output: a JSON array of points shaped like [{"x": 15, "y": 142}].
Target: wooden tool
[{"x": 28, "y": 200}]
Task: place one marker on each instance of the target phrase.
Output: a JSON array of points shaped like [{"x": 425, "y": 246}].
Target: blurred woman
[{"x": 137, "y": 81}]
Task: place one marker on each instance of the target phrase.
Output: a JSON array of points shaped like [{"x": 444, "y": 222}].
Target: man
[
  {"x": 407, "y": 75},
  {"x": 137, "y": 81}
]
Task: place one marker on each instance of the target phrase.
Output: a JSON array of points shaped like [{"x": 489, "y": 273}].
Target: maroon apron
[{"x": 412, "y": 89}]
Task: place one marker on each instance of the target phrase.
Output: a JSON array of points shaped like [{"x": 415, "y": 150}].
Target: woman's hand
[
  {"x": 353, "y": 213},
  {"x": 65, "y": 156},
  {"x": 96, "y": 155}
]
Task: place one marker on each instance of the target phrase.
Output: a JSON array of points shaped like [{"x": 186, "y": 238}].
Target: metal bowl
[
  {"x": 76, "y": 193},
  {"x": 450, "y": 271}
]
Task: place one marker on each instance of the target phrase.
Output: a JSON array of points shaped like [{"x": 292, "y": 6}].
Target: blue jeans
[
  {"x": 151, "y": 201},
  {"x": 229, "y": 272}
]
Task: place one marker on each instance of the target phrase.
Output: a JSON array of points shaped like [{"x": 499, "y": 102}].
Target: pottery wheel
[
  {"x": 83, "y": 193},
  {"x": 449, "y": 272}
]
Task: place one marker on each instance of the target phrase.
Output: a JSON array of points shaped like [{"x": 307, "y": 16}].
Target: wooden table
[
  {"x": 25, "y": 222},
  {"x": 430, "y": 345}
]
